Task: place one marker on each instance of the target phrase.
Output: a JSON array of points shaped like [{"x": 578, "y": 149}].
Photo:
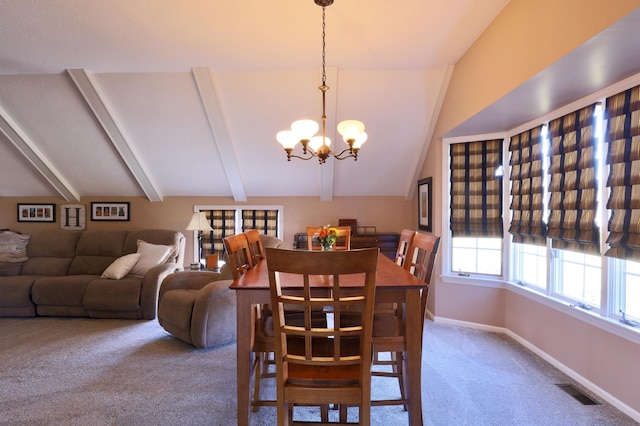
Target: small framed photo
[
  {"x": 36, "y": 213},
  {"x": 110, "y": 211},
  {"x": 424, "y": 205}
]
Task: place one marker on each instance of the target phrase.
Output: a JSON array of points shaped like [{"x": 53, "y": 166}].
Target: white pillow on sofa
[
  {"x": 121, "y": 266},
  {"x": 151, "y": 255}
]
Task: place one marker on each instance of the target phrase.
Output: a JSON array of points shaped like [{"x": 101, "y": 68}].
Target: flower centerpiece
[{"x": 327, "y": 236}]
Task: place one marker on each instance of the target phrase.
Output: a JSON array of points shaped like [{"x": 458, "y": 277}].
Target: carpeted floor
[{"x": 76, "y": 371}]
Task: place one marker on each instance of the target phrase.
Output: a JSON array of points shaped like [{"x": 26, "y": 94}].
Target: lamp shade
[
  {"x": 199, "y": 222},
  {"x": 304, "y": 129},
  {"x": 350, "y": 129},
  {"x": 360, "y": 139},
  {"x": 287, "y": 139}
]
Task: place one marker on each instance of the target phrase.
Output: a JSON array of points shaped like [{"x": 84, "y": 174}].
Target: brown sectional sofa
[{"x": 61, "y": 276}]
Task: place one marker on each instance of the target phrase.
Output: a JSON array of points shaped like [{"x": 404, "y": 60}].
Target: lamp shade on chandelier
[{"x": 305, "y": 131}]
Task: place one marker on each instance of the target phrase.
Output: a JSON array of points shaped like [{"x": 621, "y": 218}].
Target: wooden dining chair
[
  {"x": 238, "y": 253},
  {"x": 342, "y": 243},
  {"x": 241, "y": 259},
  {"x": 331, "y": 364},
  {"x": 406, "y": 238},
  {"x": 255, "y": 245},
  {"x": 388, "y": 325}
]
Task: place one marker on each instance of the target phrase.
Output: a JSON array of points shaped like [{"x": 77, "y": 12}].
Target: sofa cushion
[
  {"x": 16, "y": 290},
  {"x": 96, "y": 251},
  {"x": 50, "y": 252},
  {"x": 60, "y": 291},
  {"x": 113, "y": 295},
  {"x": 10, "y": 268},
  {"x": 150, "y": 256},
  {"x": 121, "y": 266}
]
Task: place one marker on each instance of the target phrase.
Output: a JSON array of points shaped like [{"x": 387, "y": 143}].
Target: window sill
[{"x": 474, "y": 280}]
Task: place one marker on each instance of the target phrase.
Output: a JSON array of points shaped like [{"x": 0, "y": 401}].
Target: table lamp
[{"x": 199, "y": 223}]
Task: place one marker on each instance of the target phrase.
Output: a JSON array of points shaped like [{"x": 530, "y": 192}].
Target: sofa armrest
[
  {"x": 151, "y": 286},
  {"x": 187, "y": 280},
  {"x": 213, "y": 321}
]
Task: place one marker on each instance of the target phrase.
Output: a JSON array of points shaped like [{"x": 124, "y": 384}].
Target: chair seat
[{"x": 333, "y": 375}]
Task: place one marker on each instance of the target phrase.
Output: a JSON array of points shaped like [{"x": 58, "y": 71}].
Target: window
[
  {"x": 477, "y": 255},
  {"x": 476, "y": 207},
  {"x": 574, "y": 226},
  {"x": 577, "y": 277},
  {"x": 530, "y": 264},
  {"x": 230, "y": 220},
  {"x": 627, "y": 273}
]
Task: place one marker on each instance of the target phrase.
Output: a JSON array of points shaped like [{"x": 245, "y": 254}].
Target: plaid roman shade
[
  {"x": 527, "y": 207},
  {"x": 573, "y": 183},
  {"x": 476, "y": 191},
  {"x": 265, "y": 221},
  {"x": 223, "y": 223},
  {"x": 623, "y": 135}
]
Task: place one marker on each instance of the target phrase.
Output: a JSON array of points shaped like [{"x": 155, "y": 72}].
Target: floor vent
[{"x": 577, "y": 394}]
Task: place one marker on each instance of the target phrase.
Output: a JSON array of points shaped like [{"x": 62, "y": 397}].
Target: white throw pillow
[
  {"x": 121, "y": 266},
  {"x": 13, "y": 243},
  {"x": 151, "y": 255}
]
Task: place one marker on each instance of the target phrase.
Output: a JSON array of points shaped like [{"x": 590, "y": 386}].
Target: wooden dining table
[{"x": 393, "y": 284}]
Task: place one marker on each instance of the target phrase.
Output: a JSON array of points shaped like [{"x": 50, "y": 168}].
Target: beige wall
[
  {"x": 387, "y": 214},
  {"x": 519, "y": 44}
]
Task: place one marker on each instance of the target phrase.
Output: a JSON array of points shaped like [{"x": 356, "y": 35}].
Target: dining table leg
[
  {"x": 244, "y": 327},
  {"x": 413, "y": 330}
]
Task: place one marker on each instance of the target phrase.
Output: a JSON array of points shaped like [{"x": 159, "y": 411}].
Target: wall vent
[{"x": 577, "y": 394}]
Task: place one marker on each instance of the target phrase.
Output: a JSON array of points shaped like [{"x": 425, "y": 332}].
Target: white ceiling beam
[
  {"x": 94, "y": 98},
  {"x": 206, "y": 83},
  {"x": 30, "y": 151}
]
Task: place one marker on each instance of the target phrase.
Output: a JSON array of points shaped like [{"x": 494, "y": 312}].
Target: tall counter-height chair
[
  {"x": 342, "y": 243},
  {"x": 250, "y": 245},
  {"x": 255, "y": 245},
  {"x": 241, "y": 259},
  {"x": 406, "y": 238},
  {"x": 331, "y": 364},
  {"x": 388, "y": 328}
]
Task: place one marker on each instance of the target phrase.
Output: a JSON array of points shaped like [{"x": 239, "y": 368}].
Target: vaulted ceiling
[{"x": 184, "y": 97}]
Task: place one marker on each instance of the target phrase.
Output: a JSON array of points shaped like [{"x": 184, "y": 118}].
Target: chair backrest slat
[
  {"x": 255, "y": 245},
  {"x": 406, "y": 238},
  {"x": 239, "y": 254}
]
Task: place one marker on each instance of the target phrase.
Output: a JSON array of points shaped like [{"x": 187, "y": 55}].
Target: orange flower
[{"x": 327, "y": 235}]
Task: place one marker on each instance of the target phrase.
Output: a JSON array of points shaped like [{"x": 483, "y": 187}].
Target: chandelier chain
[{"x": 324, "y": 75}]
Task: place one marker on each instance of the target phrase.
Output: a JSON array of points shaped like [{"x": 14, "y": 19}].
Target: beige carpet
[{"x": 76, "y": 371}]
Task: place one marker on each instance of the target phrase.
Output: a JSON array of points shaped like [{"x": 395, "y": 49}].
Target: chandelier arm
[
  {"x": 350, "y": 153},
  {"x": 311, "y": 155}
]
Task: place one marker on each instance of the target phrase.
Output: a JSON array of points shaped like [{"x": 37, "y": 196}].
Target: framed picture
[
  {"x": 36, "y": 213},
  {"x": 110, "y": 211},
  {"x": 424, "y": 205}
]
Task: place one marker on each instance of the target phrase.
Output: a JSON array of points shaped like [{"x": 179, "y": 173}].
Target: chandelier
[{"x": 304, "y": 131}]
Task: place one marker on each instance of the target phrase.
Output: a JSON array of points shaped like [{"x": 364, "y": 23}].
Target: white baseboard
[{"x": 635, "y": 415}]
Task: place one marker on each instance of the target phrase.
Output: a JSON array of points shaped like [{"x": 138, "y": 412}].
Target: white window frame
[
  {"x": 607, "y": 318},
  {"x": 238, "y": 218}
]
